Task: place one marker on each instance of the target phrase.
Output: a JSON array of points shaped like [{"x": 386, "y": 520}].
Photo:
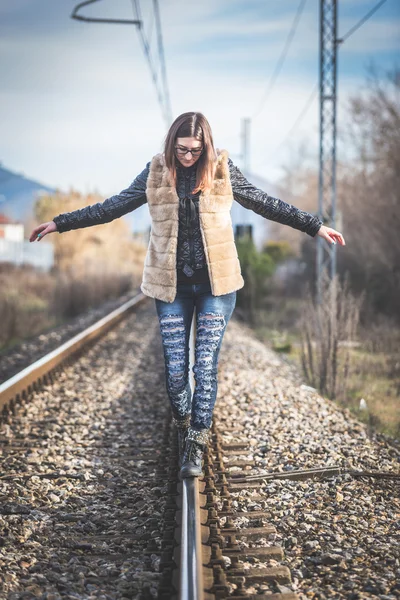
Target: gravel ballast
[
  {"x": 340, "y": 534},
  {"x": 28, "y": 351},
  {"x": 80, "y": 503},
  {"x": 79, "y": 494}
]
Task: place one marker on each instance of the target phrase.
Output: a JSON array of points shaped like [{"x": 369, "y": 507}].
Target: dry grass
[
  {"x": 25, "y": 300},
  {"x": 33, "y": 302},
  {"x": 372, "y": 378},
  {"x": 324, "y": 326},
  {"x": 370, "y": 363},
  {"x": 91, "y": 265}
]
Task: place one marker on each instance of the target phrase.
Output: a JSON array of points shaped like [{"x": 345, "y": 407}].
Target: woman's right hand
[{"x": 41, "y": 230}]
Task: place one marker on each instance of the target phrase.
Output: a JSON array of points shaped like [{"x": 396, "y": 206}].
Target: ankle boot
[
  {"x": 182, "y": 426},
  {"x": 182, "y": 435},
  {"x": 196, "y": 443}
]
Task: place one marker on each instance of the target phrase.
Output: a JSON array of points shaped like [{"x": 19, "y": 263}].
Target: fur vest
[{"x": 159, "y": 273}]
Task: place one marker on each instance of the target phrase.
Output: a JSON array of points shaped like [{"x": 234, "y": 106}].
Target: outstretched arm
[
  {"x": 104, "y": 212},
  {"x": 269, "y": 207}
]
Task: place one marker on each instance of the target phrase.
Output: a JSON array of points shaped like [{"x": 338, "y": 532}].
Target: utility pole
[
  {"x": 326, "y": 253},
  {"x": 245, "y": 139},
  {"x": 246, "y": 144},
  {"x": 245, "y": 229}
]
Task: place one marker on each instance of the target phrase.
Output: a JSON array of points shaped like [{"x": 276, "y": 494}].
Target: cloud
[{"x": 79, "y": 106}]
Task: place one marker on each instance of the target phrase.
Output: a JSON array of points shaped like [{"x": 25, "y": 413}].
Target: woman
[{"x": 191, "y": 261}]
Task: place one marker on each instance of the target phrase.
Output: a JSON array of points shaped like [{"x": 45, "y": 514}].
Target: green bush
[
  {"x": 257, "y": 268},
  {"x": 278, "y": 251}
]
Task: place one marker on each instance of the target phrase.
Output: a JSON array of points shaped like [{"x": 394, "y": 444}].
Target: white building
[
  {"x": 14, "y": 249},
  {"x": 11, "y": 230}
]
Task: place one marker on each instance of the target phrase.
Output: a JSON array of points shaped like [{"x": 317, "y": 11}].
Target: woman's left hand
[{"x": 331, "y": 235}]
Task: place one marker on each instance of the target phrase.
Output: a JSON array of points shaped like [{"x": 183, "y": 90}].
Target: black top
[
  {"x": 191, "y": 260},
  {"x": 199, "y": 275}
]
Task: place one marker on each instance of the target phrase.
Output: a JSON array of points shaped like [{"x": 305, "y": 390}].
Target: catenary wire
[
  {"x": 161, "y": 54},
  {"x": 163, "y": 98},
  {"x": 315, "y": 90},
  {"x": 299, "y": 119},
  {"x": 282, "y": 58},
  {"x": 361, "y": 22},
  {"x": 78, "y": 17},
  {"x": 162, "y": 95}
]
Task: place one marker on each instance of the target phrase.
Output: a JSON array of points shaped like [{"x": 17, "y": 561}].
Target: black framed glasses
[{"x": 182, "y": 151}]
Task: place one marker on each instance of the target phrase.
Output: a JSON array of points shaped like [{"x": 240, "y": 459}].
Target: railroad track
[
  {"x": 119, "y": 522},
  {"x": 18, "y": 388},
  {"x": 205, "y": 555},
  {"x": 215, "y": 550}
]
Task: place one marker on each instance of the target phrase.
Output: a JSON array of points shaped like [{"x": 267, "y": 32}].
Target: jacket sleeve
[
  {"x": 112, "y": 208},
  {"x": 269, "y": 207}
]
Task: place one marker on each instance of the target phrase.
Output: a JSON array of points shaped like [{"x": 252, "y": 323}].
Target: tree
[{"x": 369, "y": 191}]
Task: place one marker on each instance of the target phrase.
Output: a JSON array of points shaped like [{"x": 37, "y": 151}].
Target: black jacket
[{"x": 190, "y": 252}]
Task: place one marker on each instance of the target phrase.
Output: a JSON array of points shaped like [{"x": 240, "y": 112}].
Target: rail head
[
  {"x": 191, "y": 559},
  {"x": 191, "y": 568},
  {"x": 20, "y": 383}
]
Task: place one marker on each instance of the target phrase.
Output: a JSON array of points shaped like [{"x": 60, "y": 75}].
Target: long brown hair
[{"x": 192, "y": 124}]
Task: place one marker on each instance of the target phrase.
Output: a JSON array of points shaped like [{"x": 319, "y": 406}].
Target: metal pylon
[{"x": 326, "y": 253}]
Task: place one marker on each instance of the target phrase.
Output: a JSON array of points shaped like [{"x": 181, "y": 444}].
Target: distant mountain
[{"x": 18, "y": 194}]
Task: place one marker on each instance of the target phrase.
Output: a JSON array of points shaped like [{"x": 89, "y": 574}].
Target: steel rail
[
  {"x": 28, "y": 379},
  {"x": 191, "y": 563},
  {"x": 311, "y": 473},
  {"x": 191, "y": 568}
]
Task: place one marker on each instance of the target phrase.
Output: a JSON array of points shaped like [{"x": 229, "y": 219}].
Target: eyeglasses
[{"x": 182, "y": 151}]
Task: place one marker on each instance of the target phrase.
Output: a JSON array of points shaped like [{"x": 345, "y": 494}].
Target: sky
[{"x": 79, "y": 109}]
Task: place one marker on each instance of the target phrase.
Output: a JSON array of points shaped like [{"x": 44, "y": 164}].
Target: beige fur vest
[{"x": 159, "y": 274}]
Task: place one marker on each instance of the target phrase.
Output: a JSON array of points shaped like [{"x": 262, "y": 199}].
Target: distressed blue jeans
[{"x": 175, "y": 318}]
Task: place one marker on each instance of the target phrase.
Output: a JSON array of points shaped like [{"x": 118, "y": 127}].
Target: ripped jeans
[{"x": 175, "y": 318}]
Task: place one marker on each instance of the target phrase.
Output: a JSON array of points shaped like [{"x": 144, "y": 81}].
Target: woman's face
[{"x": 187, "y": 143}]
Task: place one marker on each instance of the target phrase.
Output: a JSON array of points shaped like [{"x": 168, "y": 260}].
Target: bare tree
[
  {"x": 327, "y": 333},
  {"x": 369, "y": 191}
]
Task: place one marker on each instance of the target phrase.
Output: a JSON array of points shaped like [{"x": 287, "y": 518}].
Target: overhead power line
[
  {"x": 150, "y": 28},
  {"x": 161, "y": 87},
  {"x": 313, "y": 94},
  {"x": 168, "y": 109},
  {"x": 361, "y": 22},
  {"x": 298, "y": 121},
  {"x": 75, "y": 15},
  {"x": 282, "y": 58}
]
